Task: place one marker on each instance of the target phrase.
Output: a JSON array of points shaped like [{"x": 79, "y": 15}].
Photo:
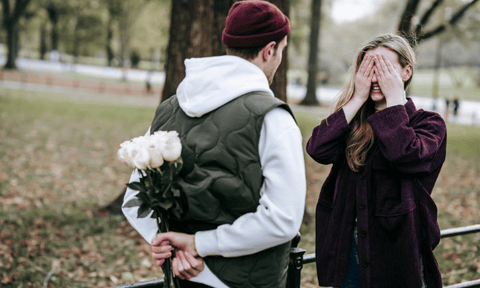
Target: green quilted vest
[{"x": 221, "y": 179}]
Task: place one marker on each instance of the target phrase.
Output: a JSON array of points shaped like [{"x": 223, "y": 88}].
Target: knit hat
[{"x": 254, "y": 23}]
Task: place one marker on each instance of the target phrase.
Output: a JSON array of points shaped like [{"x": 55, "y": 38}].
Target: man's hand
[
  {"x": 162, "y": 251},
  {"x": 185, "y": 266},
  {"x": 181, "y": 241}
]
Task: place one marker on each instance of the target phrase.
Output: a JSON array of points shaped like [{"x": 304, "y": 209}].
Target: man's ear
[{"x": 268, "y": 51}]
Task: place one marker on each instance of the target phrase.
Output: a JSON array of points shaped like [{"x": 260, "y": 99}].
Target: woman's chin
[{"x": 376, "y": 97}]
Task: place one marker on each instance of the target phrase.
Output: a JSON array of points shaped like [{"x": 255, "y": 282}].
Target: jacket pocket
[
  {"x": 394, "y": 196},
  {"x": 329, "y": 189}
]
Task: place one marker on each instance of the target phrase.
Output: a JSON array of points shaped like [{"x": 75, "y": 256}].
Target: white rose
[
  {"x": 124, "y": 153},
  {"x": 173, "y": 146},
  {"x": 155, "y": 151},
  {"x": 139, "y": 153}
]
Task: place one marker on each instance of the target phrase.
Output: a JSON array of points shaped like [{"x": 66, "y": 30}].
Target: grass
[
  {"x": 58, "y": 168},
  {"x": 458, "y": 82}
]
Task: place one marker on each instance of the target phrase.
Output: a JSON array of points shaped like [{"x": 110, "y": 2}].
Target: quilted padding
[{"x": 222, "y": 177}]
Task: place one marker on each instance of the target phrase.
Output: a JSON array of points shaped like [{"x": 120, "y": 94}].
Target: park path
[{"x": 47, "y": 76}]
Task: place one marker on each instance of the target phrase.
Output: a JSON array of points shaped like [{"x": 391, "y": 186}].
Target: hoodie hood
[{"x": 211, "y": 82}]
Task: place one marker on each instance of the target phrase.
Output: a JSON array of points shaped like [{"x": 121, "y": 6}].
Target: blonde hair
[{"x": 360, "y": 140}]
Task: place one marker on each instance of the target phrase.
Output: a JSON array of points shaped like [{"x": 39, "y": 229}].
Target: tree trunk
[
  {"x": 12, "y": 38},
  {"x": 53, "y": 16},
  {"x": 43, "y": 42},
  {"x": 311, "y": 96},
  {"x": 124, "y": 40},
  {"x": 108, "y": 47},
  {"x": 280, "y": 81},
  {"x": 10, "y": 23},
  {"x": 196, "y": 31},
  {"x": 436, "y": 75}
]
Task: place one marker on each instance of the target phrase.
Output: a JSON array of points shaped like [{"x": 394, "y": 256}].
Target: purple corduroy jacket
[{"x": 390, "y": 198}]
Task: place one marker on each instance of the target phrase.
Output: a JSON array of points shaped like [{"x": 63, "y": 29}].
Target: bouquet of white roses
[{"x": 157, "y": 158}]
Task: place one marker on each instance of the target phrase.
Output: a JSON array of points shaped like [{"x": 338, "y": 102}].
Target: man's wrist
[{"x": 194, "y": 248}]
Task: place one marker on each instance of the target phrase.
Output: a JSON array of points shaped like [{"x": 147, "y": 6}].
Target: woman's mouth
[{"x": 376, "y": 89}]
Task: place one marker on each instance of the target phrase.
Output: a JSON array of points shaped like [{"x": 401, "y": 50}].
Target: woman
[{"x": 376, "y": 222}]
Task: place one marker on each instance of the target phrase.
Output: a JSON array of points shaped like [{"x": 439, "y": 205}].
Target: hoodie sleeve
[{"x": 280, "y": 212}]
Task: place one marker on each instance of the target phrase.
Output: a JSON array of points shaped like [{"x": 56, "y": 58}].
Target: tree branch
[
  {"x": 455, "y": 18},
  {"x": 426, "y": 16},
  {"x": 408, "y": 13}
]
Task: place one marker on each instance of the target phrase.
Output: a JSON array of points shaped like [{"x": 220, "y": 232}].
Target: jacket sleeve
[
  {"x": 411, "y": 147},
  {"x": 280, "y": 212},
  {"x": 327, "y": 143}
]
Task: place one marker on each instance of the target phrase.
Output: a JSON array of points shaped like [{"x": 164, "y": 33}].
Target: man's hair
[{"x": 249, "y": 53}]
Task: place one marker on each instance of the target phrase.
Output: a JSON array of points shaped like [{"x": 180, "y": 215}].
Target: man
[{"x": 243, "y": 173}]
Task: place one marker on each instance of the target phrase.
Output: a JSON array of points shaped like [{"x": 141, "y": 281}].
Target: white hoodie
[{"x": 209, "y": 83}]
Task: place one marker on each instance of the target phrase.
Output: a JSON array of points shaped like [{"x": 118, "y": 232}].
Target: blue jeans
[{"x": 352, "y": 279}]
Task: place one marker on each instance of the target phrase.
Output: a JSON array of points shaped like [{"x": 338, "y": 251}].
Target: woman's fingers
[
  {"x": 389, "y": 65},
  {"x": 365, "y": 66},
  {"x": 370, "y": 69}
]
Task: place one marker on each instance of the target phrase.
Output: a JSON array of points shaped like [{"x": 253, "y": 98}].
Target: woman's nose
[{"x": 374, "y": 79}]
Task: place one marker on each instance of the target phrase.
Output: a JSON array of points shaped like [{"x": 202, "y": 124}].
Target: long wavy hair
[{"x": 360, "y": 140}]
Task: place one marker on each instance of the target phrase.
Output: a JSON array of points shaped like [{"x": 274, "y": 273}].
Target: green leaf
[
  {"x": 176, "y": 192},
  {"x": 166, "y": 205},
  {"x": 133, "y": 203},
  {"x": 137, "y": 186},
  {"x": 143, "y": 211}
]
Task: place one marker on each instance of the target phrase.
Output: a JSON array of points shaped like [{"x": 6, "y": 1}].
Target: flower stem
[{"x": 169, "y": 277}]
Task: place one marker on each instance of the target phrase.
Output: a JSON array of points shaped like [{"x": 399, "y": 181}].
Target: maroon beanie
[{"x": 254, "y": 23}]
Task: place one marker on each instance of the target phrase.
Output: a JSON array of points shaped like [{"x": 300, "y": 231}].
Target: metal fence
[{"x": 298, "y": 259}]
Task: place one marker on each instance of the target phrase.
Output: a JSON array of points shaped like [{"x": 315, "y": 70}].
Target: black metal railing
[{"x": 298, "y": 259}]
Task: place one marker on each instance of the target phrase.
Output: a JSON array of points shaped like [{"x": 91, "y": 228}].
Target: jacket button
[
  {"x": 361, "y": 206},
  {"x": 363, "y": 234},
  {"x": 365, "y": 264}
]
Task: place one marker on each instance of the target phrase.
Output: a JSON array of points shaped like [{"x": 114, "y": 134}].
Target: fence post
[{"x": 295, "y": 265}]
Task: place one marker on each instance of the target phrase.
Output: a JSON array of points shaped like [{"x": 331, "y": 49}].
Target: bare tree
[
  {"x": 418, "y": 33},
  {"x": 311, "y": 96},
  {"x": 53, "y": 15},
  {"x": 114, "y": 9},
  {"x": 279, "y": 85},
  {"x": 10, "y": 23},
  {"x": 196, "y": 31}
]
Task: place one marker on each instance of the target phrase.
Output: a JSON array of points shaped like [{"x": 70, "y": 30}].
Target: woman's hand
[
  {"x": 185, "y": 266},
  {"x": 363, "y": 79},
  {"x": 389, "y": 80}
]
